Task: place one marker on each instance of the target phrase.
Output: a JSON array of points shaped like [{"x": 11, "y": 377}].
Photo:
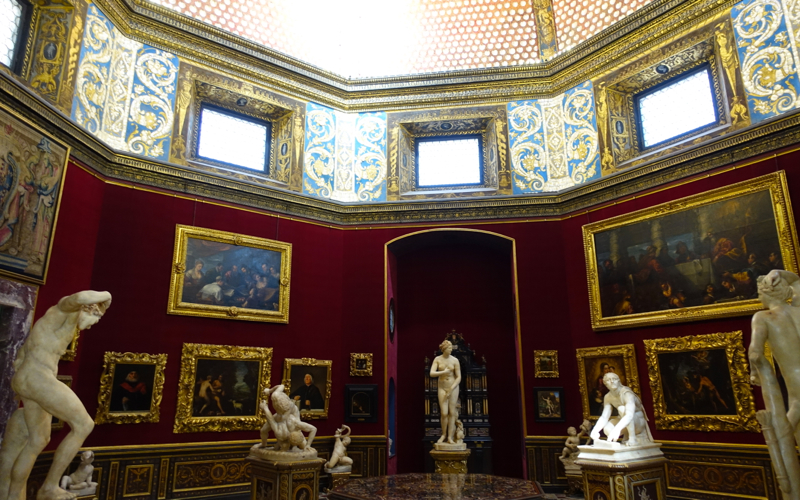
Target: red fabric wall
[{"x": 120, "y": 239}]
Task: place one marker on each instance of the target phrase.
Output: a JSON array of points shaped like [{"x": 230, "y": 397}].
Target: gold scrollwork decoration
[
  {"x": 545, "y": 364},
  {"x": 697, "y": 347},
  {"x": 360, "y": 364},
  {"x": 295, "y": 371},
  {"x": 630, "y": 377},
  {"x": 217, "y": 357},
  {"x": 192, "y": 476},
  {"x": 122, "y": 394}
]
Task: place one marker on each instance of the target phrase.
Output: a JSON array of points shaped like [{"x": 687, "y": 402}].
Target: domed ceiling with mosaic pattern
[{"x": 380, "y": 38}]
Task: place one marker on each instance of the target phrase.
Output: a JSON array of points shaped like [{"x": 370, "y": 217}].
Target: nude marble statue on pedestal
[
  {"x": 779, "y": 325},
  {"x": 448, "y": 370},
  {"x": 291, "y": 444},
  {"x": 631, "y": 424},
  {"x": 44, "y": 396}
]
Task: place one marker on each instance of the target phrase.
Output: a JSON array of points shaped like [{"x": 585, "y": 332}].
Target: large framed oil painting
[
  {"x": 701, "y": 383},
  {"x": 593, "y": 364},
  {"x": 130, "y": 388},
  {"x": 690, "y": 259},
  {"x": 32, "y": 167},
  {"x": 217, "y": 274},
  {"x": 308, "y": 381},
  {"x": 220, "y": 387}
]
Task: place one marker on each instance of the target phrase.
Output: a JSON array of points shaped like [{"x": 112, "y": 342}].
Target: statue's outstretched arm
[
  {"x": 759, "y": 365},
  {"x": 75, "y": 301}
]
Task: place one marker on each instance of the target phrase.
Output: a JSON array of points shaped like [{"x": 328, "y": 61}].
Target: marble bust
[
  {"x": 291, "y": 444},
  {"x": 779, "y": 292},
  {"x": 448, "y": 370},
  {"x": 44, "y": 396}
]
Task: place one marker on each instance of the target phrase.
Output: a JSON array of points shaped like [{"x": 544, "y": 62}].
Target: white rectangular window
[
  {"x": 449, "y": 161},
  {"x": 235, "y": 140},
  {"x": 11, "y": 15},
  {"x": 681, "y": 106}
]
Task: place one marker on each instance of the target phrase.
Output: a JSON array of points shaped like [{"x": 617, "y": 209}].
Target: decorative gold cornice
[{"x": 119, "y": 168}]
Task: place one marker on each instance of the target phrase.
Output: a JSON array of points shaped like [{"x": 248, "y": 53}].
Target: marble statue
[
  {"x": 80, "y": 482},
  {"x": 339, "y": 460},
  {"x": 448, "y": 370},
  {"x": 459, "y": 432},
  {"x": 568, "y": 456},
  {"x": 586, "y": 429},
  {"x": 292, "y": 444},
  {"x": 631, "y": 424},
  {"x": 570, "y": 451},
  {"x": 44, "y": 396},
  {"x": 779, "y": 325}
]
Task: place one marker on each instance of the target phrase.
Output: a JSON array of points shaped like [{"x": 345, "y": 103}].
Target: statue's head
[
  {"x": 772, "y": 289},
  {"x": 571, "y": 431},
  {"x": 444, "y": 346},
  {"x": 87, "y": 457},
  {"x": 281, "y": 401},
  {"x": 90, "y": 314},
  {"x": 611, "y": 381}
]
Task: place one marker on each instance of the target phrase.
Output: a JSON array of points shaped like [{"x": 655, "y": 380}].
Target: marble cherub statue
[
  {"x": 448, "y": 370},
  {"x": 570, "y": 451},
  {"x": 339, "y": 456},
  {"x": 43, "y": 396},
  {"x": 779, "y": 291},
  {"x": 80, "y": 482},
  {"x": 631, "y": 424},
  {"x": 291, "y": 443}
]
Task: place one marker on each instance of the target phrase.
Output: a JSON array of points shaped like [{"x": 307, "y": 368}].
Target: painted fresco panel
[
  {"x": 320, "y": 151},
  {"x": 370, "y": 166},
  {"x": 767, "y": 55}
]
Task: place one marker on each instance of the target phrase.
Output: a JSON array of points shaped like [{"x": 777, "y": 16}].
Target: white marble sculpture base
[
  {"x": 338, "y": 469},
  {"x": 86, "y": 492},
  {"x": 603, "y": 451},
  {"x": 449, "y": 446},
  {"x": 293, "y": 455}
]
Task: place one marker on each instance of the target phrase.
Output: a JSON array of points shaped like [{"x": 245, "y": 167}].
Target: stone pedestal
[
  {"x": 450, "y": 461},
  {"x": 277, "y": 480},
  {"x": 574, "y": 477},
  {"x": 616, "y": 472},
  {"x": 338, "y": 475}
]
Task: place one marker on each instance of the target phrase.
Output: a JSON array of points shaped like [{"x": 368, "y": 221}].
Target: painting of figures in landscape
[
  {"x": 226, "y": 388},
  {"x": 232, "y": 276},
  {"x": 31, "y": 176},
  {"x": 697, "y": 382},
  {"x": 703, "y": 252}
]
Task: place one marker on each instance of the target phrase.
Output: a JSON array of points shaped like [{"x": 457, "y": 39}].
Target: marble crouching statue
[
  {"x": 44, "y": 396},
  {"x": 292, "y": 445},
  {"x": 339, "y": 461},
  {"x": 570, "y": 451},
  {"x": 448, "y": 370},
  {"x": 779, "y": 325},
  {"x": 80, "y": 482}
]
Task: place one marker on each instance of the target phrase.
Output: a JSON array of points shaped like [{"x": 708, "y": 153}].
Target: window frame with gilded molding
[
  {"x": 23, "y": 34},
  {"x": 206, "y": 106},
  {"x": 443, "y": 138}
]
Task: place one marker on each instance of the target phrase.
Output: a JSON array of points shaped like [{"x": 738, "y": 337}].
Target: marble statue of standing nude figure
[
  {"x": 44, "y": 396},
  {"x": 448, "y": 370}
]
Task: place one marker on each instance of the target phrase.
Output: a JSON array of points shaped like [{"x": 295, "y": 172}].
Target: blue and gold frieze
[
  {"x": 345, "y": 155},
  {"x": 125, "y": 90},
  {"x": 768, "y": 55},
  {"x": 553, "y": 141}
]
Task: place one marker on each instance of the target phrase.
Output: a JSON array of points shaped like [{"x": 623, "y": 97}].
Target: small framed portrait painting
[
  {"x": 130, "y": 388},
  {"x": 308, "y": 382},
  {"x": 549, "y": 404},
  {"x": 360, "y": 364},
  {"x": 545, "y": 364},
  {"x": 361, "y": 403},
  {"x": 593, "y": 364}
]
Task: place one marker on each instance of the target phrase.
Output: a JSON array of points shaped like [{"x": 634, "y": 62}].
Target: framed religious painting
[
  {"x": 549, "y": 404},
  {"x": 361, "y": 403},
  {"x": 593, "y": 364},
  {"x": 701, "y": 383},
  {"x": 130, "y": 388},
  {"x": 32, "y": 168},
  {"x": 55, "y": 422},
  {"x": 545, "y": 364},
  {"x": 216, "y": 274},
  {"x": 220, "y": 387},
  {"x": 690, "y": 259},
  {"x": 308, "y": 382},
  {"x": 360, "y": 364}
]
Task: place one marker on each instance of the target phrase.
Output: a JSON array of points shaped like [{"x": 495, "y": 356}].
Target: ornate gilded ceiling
[{"x": 369, "y": 39}]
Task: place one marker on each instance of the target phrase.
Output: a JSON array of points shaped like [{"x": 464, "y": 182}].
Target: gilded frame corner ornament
[
  {"x": 628, "y": 353},
  {"x": 538, "y": 356},
  {"x": 309, "y": 362},
  {"x": 774, "y": 183},
  {"x": 745, "y": 418},
  {"x": 355, "y": 371},
  {"x": 110, "y": 362},
  {"x": 176, "y": 303},
  {"x": 72, "y": 349},
  {"x": 185, "y": 421}
]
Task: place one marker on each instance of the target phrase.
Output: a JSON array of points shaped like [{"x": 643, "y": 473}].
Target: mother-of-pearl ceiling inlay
[{"x": 368, "y": 38}]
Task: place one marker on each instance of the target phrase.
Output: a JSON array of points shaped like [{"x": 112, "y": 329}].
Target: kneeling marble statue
[
  {"x": 631, "y": 424},
  {"x": 291, "y": 444}
]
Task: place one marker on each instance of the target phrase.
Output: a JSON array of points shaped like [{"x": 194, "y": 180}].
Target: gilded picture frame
[
  {"x": 210, "y": 382},
  {"x": 131, "y": 388},
  {"x": 55, "y": 422},
  {"x": 701, "y": 383},
  {"x": 691, "y": 259},
  {"x": 307, "y": 393},
  {"x": 360, "y": 364},
  {"x": 34, "y": 166},
  {"x": 549, "y": 403},
  {"x": 217, "y": 274},
  {"x": 593, "y": 363},
  {"x": 545, "y": 364}
]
